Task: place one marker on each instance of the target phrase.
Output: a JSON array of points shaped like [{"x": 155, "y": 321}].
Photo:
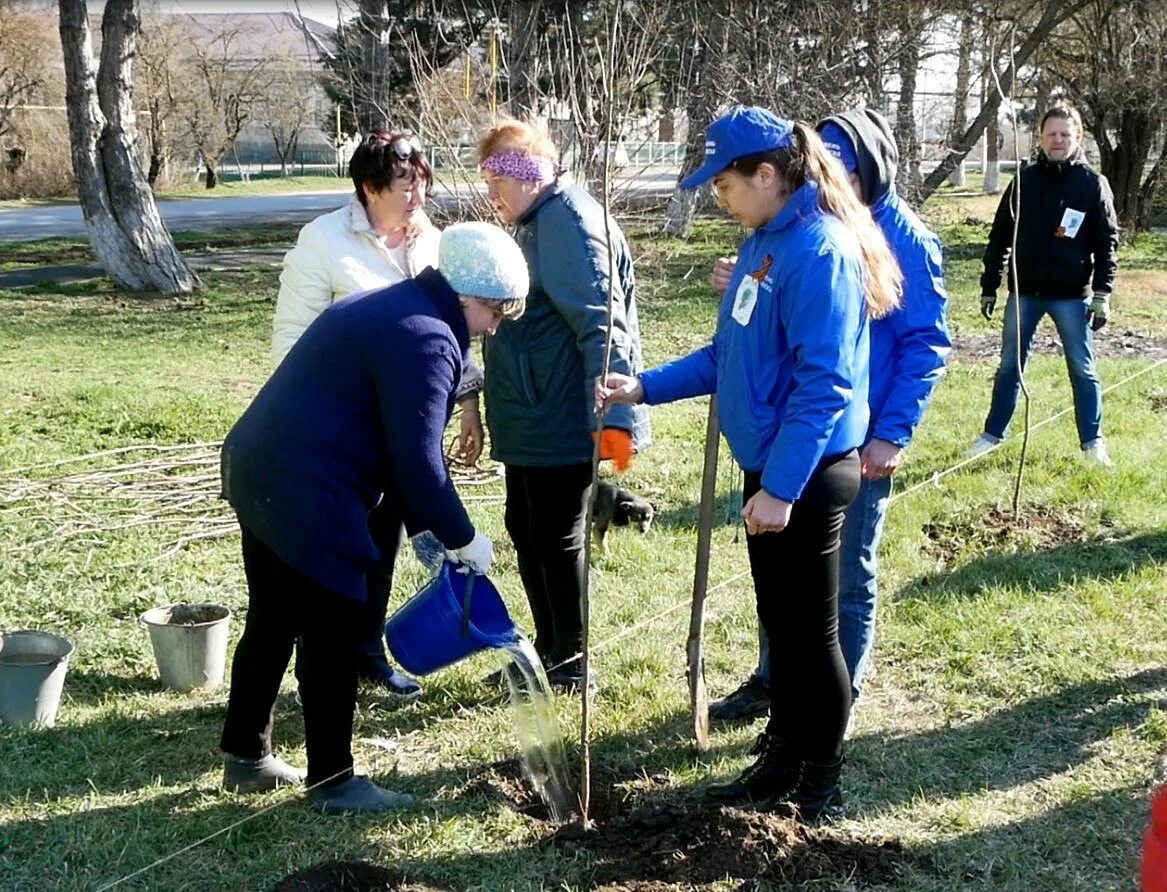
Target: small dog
[{"x": 618, "y": 507}]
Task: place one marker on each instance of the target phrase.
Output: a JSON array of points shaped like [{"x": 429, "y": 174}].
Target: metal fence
[{"x": 259, "y": 161}]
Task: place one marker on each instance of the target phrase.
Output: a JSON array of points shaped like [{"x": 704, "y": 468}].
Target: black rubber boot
[
  {"x": 819, "y": 797},
  {"x": 374, "y": 668},
  {"x": 258, "y": 775},
  {"x": 772, "y": 779}
]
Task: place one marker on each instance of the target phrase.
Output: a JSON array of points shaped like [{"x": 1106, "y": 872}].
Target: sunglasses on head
[{"x": 404, "y": 147}]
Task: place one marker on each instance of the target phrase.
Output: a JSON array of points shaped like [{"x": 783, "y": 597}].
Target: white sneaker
[
  {"x": 981, "y": 445},
  {"x": 1097, "y": 453}
]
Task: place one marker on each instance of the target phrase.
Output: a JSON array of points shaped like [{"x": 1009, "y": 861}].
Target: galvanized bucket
[
  {"x": 32, "y": 676},
  {"x": 190, "y": 644}
]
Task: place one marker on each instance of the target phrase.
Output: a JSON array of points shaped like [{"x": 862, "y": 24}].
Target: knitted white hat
[{"x": 481, "y": 260}]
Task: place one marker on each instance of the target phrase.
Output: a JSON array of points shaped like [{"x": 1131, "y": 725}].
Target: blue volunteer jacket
[
  {"x": 789, "y": 358},
  {"x": 356, "y": 409},
  {"x": 909, "y": 346}
]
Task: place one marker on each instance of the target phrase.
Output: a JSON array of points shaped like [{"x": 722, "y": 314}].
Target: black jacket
[{"x": 1052, "y": 262}]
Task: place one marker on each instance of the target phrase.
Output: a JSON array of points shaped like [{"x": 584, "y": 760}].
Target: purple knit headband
[{"x": 520, "y": 166}]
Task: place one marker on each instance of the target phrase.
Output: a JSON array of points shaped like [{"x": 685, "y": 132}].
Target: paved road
[{"x": 204, "y": 214}]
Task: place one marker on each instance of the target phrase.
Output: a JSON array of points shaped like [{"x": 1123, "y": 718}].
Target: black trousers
[
  {"x": 285, "y": 607},
  {"x": 388, "y": 532},
  {"x": 546, "y": 513},
  {"x": 796, "y": 582}
]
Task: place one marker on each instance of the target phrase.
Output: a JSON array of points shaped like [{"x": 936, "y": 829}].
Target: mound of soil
[
  {"x": 1037, "y": 528},
  {"x": 352, "y": 876},
  {"x": 671, "y": 841}
]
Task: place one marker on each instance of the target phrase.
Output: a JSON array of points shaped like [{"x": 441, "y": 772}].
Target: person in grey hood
[
  {"x": 1067, "y": 255},
  {"x": 908, "y": 352}
]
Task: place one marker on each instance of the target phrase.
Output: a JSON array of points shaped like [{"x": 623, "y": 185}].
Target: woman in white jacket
[{"x": 381, "y": 238}]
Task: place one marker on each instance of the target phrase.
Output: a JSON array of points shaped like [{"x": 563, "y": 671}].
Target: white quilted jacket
[{"x": 336, "y": 255}]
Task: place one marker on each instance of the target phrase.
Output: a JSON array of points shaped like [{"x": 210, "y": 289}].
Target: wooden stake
[{"x": 698, "y": 698}]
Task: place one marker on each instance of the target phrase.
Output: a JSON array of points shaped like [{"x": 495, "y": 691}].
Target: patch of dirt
[
  {"x": 676, "y": 842},
  {"x": 1125, "y": 344},
  {"x": 647, "y": 837},
  {"x": 353, "y": 876},
  {"x": 1157, "y": 400},
  {"x": 195, "y": 614},
  {"x": 505, "y": 783},
  {"x": 994, "y": 529}
]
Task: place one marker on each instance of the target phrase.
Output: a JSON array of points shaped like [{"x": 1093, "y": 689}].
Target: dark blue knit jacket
[{"x": 357, "y": 408}]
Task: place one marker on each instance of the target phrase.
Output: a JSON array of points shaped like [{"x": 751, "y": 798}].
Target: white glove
[{"x": 477, "y": 554}]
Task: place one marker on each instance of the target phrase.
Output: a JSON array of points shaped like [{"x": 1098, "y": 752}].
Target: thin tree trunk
[
  {"x": 522, "y": 59},
  {"x": 121, "y": 218},
  {"x": 908, "y": 178},
  {"x": 873, "y": 59},
  {"x": 960, "y": 98},
  {"x": 992, "y": 157},
  {"x": 1150, "y": 184},
  {"x": 704, "y": 100}
]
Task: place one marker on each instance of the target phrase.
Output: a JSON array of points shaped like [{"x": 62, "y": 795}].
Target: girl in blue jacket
[{"x": 789, "y": 363}]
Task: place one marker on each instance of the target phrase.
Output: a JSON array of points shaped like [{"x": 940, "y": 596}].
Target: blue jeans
[
  {"x": 858, "y": 590},
  {"x": 1070, "y": 317}
]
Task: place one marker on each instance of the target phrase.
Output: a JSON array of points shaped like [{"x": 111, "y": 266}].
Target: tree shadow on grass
[
  {"x": 1043, "y": 570},
  {"x": 88, "y": 848},
  {"x": 1016, "y": 745},
  {"x": 129, "y": 747}
]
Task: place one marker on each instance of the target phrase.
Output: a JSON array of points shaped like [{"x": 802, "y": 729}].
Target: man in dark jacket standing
[
  {"x": 1067, "y": 247},
  {"x": 351, "y": 420}
]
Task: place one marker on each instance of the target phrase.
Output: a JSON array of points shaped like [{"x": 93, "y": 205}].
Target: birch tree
[{"x": 121, "y": 218}]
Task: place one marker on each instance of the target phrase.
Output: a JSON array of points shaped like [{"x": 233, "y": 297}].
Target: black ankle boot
[
  {"x": 819, "y": 797},
  {"x": 773, "y": 778}
]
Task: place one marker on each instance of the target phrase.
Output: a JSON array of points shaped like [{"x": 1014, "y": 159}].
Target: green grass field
[{"x": 1007, "y": 739}]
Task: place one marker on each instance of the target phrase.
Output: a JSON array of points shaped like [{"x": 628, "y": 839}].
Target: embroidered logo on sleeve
[
  {"x": 1071, "y": 223},
  {"x": 746, "y": 297}
]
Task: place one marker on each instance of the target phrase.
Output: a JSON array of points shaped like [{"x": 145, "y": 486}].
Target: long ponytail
[{"x": 808, "y": 159}]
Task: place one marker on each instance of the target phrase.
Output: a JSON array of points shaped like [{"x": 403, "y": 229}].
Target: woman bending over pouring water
[
  {"x": 355, "y": 410},
  {"x": 789, "y": 365}
]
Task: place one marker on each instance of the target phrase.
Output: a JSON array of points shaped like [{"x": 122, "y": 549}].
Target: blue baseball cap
[
  {"x": 840, "y": 144},
  {"x": 746, "y": 130}
]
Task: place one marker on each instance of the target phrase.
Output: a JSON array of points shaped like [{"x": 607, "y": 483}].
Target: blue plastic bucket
[{"x": 432, "y": 630}]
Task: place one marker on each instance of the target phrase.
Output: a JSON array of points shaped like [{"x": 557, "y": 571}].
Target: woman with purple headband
[{"x": 540, "y": 371}]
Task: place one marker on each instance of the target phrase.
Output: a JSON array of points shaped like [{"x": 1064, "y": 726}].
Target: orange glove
[
  {"x": 615, "y": 444},
  {"x": 1155, "y": 845}
]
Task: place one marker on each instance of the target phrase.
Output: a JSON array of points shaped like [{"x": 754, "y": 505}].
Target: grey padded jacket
[{"x": 541, "y": 368}]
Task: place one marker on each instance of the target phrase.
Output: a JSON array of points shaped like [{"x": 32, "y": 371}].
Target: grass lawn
[{"x": 1007, "y": 739}]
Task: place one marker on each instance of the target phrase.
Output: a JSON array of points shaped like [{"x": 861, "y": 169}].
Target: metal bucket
[
  {"x": 32, "y": 676},
  {"x": 190, "y": 644}
]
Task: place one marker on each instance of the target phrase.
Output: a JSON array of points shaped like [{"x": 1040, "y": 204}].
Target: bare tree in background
[
  {"x": 708, "y": 92},
  {"x": 368, "y": 72},
  {"x": 1035, "y": 23},
  {"x": 23, "y": 62},
  {"x": 1111, "y": 59},
  {"x": 583, "y": 53},
  {"x": 281, "y": 106},
  {"x": 120, "y": 216},
  {"x": 526, "y": 60},
  {"x": 219, "y": 98},
  {"x": 161, "y": 52},
  {"x": 960, "y": 95}
]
